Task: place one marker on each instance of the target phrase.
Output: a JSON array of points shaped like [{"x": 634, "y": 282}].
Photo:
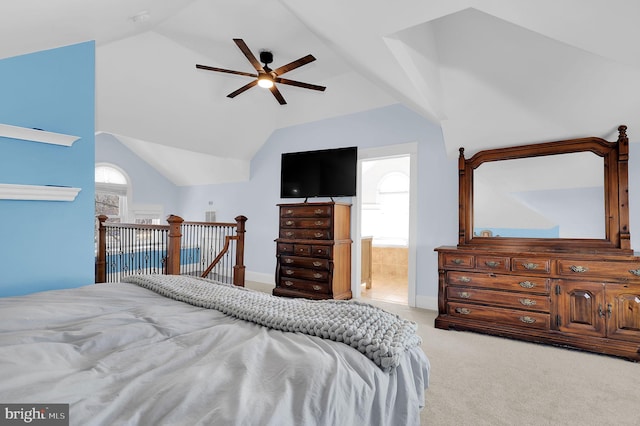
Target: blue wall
[
  {"x": 396, "y": 124},
  {"x": 44, "y": 244}
]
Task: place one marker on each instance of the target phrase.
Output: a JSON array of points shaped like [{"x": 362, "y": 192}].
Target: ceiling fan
[{"x": 266, "y": 77}]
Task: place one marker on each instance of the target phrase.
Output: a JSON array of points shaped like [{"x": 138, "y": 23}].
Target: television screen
[{"x": 324, "y": 173}]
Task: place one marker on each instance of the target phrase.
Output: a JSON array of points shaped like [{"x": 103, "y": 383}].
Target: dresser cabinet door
[
  {"x": 623, "y": 312},
  {"x": 581, "y": 307}
]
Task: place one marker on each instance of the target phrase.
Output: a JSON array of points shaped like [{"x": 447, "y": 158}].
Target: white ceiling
[{"x": 489, "y": 72}]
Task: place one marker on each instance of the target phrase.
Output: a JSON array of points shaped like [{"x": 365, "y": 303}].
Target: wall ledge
[
  {"x": 34, "y": 135},
  {"x": 37, "y": 192}
]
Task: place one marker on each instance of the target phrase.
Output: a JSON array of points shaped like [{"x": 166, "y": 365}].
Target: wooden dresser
[
  {"x": 579, "y": 292},
  {"x": 313, "y": 251},
  {"x": 585, "y": 301}
]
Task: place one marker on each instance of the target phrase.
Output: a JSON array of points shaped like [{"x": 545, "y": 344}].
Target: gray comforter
[{"x": 122, "y": 354}]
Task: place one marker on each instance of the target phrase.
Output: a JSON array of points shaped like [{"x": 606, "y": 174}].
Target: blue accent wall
[{"x": 48, "y": 244}]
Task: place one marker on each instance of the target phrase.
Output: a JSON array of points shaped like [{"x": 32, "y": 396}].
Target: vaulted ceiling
[{"x": 489, "y": 72}]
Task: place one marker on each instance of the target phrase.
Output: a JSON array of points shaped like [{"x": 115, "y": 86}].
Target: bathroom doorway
[{"x": 387, "y": 255}]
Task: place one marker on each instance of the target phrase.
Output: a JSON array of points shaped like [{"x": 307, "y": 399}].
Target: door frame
[{"x": 384, "y": 152}]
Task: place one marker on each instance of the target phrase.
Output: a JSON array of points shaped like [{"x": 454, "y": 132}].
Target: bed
[{"x": 178, "y": 350}]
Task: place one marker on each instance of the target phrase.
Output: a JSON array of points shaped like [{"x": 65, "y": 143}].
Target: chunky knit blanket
[{"x": 379, "y": 335}]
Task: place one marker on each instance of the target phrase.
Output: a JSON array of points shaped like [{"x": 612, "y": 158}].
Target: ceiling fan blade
[
  {"x": 299, "y": 84},
  {"x": 205, "y": 67},
  {"x": 245, "y": 49},
  {"x": 278, "y": 95},
  {"x": 295, "y": 64},
  {"x": 242, "y": 89}
]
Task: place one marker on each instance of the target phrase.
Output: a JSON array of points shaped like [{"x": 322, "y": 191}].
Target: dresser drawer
[
  {"x": 505, "y": 316},
  {"x": 302, "y": 273},
  {"x": 531, "y": 265},
  {"x": 306, "y": 234},
  {"x": 499, "y": 282},
  {"x": 531, "y": 302},
  {"x": 306, "y": 211},
  {"x": 285, "y": 248},
  {"x": 625, "y": 271},
  {"x": 492, "y": 263},
  {"x": 311, "y": 223},
  {"x": 305, "y": 262},
  {"x": 458, "y": 260},
  {"x": 302, "y": 285}
]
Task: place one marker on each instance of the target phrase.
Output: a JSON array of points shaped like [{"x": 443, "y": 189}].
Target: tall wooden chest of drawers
[{"x": 313, "y": 251}]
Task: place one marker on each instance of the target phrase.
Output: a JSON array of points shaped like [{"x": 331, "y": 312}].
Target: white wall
[{"x": 257, "y": 199}]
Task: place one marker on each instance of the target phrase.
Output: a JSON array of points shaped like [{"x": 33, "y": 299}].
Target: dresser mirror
[
  {"x": 563, "y": 195},
  {"x": 554, "y": 196}
]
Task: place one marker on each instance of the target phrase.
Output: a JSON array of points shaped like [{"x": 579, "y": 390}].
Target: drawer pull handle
[
  {"x": 289, "y": 234},
  {"x": 463, "y": 311},
  {"x": 287, "y": 260},
  {"x": 530, "y": 266},
  {"x": 526, "y": 284},
  {"x": 491, "y": 263},
  {"x": 318, "y": 211},
  {"x": 464, "y": 279},
  {"x": 288, "y": 272},
  {"x": 288, "y": 283},
  {"x": 635, "y": 272},
  {"x": 289, "y": 211},
  {"x": 289, "y": 222},
  {"x": 316, "y": 264},
  {"x": 527, "y": 320},
  {"x": 318, "y": 234},
  {"x": 527, "y": 302},
  {"x": 578, "y": 269},
  {"x": 317, "y": 288},
  {"x": 457, "y": 261},
  {"x": 319, "y": 223},
  {"x": 317, "y": 275},
  {"x": 464, "y": 294}
]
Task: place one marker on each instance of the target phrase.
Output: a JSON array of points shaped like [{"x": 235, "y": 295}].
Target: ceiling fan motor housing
[{"x": 266, "y": 57}]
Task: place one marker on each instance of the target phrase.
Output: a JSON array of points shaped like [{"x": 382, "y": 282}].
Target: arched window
[
  {"x": 393, "y": 200},
  {"x": 112, "y": 188}
]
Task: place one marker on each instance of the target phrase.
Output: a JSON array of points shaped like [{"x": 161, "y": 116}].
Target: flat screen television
[{"x": 323, "y": 173}]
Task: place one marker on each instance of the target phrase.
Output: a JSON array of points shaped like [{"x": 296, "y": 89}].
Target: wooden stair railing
[{"x": 175, "y": 245}]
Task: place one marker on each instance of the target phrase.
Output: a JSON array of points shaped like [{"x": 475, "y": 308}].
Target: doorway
[{"x": 385, "y": 226}]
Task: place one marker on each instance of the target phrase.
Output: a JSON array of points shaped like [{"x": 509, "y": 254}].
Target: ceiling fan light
[{"x": 265, "y": 81}]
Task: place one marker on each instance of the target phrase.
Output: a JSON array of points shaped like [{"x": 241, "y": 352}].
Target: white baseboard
[{"x": 260, "y": 277}]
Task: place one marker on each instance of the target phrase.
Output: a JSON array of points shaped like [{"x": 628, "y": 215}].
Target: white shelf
[
  {"x": 37, "y": 192},
  {"x": 34, "y": 135}
]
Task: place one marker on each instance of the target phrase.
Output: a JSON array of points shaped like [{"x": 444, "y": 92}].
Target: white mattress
[{"x": 121, "y": 354}]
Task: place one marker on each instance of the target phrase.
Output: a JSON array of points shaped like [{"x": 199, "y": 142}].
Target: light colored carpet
[{"x": 484, "y": 380}]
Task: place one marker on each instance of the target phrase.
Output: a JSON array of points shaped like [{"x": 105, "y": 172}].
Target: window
[{"x": 112, "y": 189}]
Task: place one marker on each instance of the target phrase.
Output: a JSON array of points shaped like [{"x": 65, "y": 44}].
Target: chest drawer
[
  {"x": 499, "y": 282},
  {"x": 514, "y": 317},
  {"x": 531, "y": 265},
  {"x": 306, "y": 234},
  {"x": 311, "y": 223},
  {"x": 625, "y": 271},
  {"x": 526, "y": 301},
  {"x": 306, "y": 211},
  {"x": 305, "y": 274},
  {"x": 302, "y": 285},
  {"x": 305, "y": 262}
]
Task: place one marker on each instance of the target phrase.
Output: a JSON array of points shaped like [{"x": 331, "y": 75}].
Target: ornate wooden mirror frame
[{"x": 616, "y": 197}]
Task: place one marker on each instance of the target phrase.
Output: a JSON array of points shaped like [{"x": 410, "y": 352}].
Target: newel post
[
  {"x": 238, "y": 269},
  {"x": 173, "y": 245},
  {"x": 101, "y": 261}
]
